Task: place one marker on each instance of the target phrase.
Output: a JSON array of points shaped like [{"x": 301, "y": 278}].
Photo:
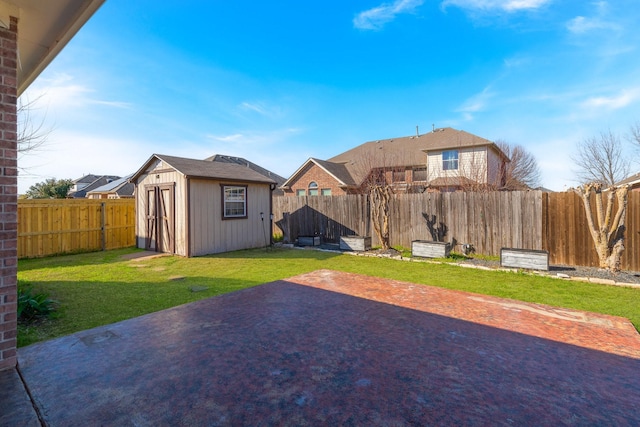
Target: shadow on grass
[
  {"x": 87, "y": 304},
  {"x": 278, "y": 253},
  {"x": 78, "y": 259}
]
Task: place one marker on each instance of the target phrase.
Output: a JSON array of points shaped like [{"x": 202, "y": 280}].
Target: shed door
[{"x": 160, "y": 218}]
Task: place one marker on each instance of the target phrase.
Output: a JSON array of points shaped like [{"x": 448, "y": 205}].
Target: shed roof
[
  {"x": 244, "y": 162},
  {"x": 192, "y": 168}
]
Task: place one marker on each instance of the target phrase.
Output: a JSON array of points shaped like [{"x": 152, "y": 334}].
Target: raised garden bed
[
  {"x": 429, "y": 249},
  {"x": 524, "y": 258},
  {"x": 309, "y": 240},
  {"x": 355, "y": 243}
]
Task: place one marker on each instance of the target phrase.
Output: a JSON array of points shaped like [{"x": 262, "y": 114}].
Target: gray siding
[{"x": 211, "y": 234}]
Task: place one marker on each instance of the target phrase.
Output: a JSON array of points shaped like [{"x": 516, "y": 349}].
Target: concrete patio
[{"x": 329, "y": 348}]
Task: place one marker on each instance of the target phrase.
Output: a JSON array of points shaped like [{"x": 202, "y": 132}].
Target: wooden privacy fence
[
  {"x": 555, "y": 222},
  {"x": 328, "y": 216},
  {"x": 49, "y": 227},
  {"x": 567, "y": 237},
  {"x": 488, "y": 221}
]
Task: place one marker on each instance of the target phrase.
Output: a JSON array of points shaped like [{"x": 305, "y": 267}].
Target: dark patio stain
[{"x": 329, "y": 348}]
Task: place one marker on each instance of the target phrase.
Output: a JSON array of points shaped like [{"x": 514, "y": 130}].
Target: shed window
[
  {"x": 234, "y": 201},
  {"x": 450, "y": 160},
  {"x": 313, "y": 188}
]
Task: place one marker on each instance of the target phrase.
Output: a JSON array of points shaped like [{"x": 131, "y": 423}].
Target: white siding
[{"x": 472, "y": 164}]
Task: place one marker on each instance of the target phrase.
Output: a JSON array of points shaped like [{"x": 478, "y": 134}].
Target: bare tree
[
  {"x": 376, "y": 168},
  {"x": 601, "y": 160},
  {"x": 522, "y": 172},
  {"x": 608, "y": 232},
  {"x": 634, "y": 134}
]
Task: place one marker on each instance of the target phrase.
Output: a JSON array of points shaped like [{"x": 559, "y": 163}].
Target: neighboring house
[
  {"x": 87, "y": 183},
  {"x": 244, "y": 162},
  {"x": 633, "y": 182},
  {"x": 117, "y": 189},
  {"x": 194, "y": 207},
  {"x": 443, "y": 160}
]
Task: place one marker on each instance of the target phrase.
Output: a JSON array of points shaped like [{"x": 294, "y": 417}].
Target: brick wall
[
  {"x": 314, "y": 173},
  {"x": 8, "y": 194}
]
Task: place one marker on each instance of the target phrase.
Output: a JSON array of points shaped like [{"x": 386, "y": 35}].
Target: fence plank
[
  {"x": 555, "y": 222},
  {"x": 49, "y": 227}
]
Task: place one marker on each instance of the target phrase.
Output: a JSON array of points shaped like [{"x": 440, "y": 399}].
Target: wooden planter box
[
  {"x": 355, "y": 243},
  {"x": 429, "y": 249},
  {"x": 309, "y": 240},
  {"x": 524, "y": 258}
]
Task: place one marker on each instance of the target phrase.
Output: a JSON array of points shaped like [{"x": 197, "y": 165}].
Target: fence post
[{"x": 102, "y": 225}]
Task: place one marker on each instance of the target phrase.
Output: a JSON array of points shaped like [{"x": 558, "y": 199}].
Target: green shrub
[
  {"x": 33, "y": 305},
  {"x": 277, "y": 238}
]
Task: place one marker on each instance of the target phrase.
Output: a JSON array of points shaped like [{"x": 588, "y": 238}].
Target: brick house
[
  {"x": 442, "y": 160},
  {"x": 32, "y": 33}
]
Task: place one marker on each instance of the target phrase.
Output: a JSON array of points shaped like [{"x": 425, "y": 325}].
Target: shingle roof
[
  {"x": 120, "y": 187},
  {"x": 193, "y": 168},
  {"x": 405, "y": 151},
  {"x": 633, "y": 179},
  {"x": 96, "y": 183},
  {"x": 87, "y": 179},
  {"x": 244, "y": 162}
]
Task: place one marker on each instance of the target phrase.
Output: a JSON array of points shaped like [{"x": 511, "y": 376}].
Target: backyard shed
[{"x": 194, "y": 207}]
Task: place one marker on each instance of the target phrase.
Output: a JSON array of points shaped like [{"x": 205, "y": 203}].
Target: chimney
[{"x": 417, "y": 131}]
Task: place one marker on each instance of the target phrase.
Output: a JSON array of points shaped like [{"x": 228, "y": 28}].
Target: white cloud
[
  {"x": 489, "y": 5},
  {"x": 61, "y": 91},
  {"x": 583, "y": 24},
  {"x": 72, "y": 155},
  {"x": 475, "y": 104},
  {"x": 377, "y": 17},
  {"x": 252, "y": 139},
  {"x": 621, "y": 100},
  {"x": 262, "y": 108},
  {"x": 258, "y": 108}
]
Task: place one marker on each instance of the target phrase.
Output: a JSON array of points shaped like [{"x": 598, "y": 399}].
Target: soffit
[{"x": 44, "y": 28}]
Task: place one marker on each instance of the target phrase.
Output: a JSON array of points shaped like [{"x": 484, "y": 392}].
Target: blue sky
[{"x": 281, "y": 81}]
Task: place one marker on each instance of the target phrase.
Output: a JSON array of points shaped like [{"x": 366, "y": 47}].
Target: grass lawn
[{"x": 99, "y": 288}]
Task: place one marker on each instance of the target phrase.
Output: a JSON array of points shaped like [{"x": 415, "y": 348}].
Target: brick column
[{"x": 8, "y": 194}]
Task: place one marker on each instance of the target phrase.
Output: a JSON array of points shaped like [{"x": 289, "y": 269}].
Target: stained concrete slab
[
  {"x": 329, "y": 348},
  {"x": 16, "y": 409}
]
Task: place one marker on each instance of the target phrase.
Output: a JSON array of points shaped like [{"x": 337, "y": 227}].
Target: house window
[
  {"x": 419, "y": 174},
  {"x": 302, "y": 192},
  {"x": 325, "y": 191},
  {"x": 450, "y": 160},
  {"x": 234, "y": 201},
  {"x": 398, "y": 175},
  {"x": 313, "y": 188}
]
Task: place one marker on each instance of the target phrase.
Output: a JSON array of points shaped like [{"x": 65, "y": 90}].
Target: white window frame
[
  {"x": 313, "y": 188},
  {"x": 235, "y": 194},
  {"x": 450, "y": 160}
]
